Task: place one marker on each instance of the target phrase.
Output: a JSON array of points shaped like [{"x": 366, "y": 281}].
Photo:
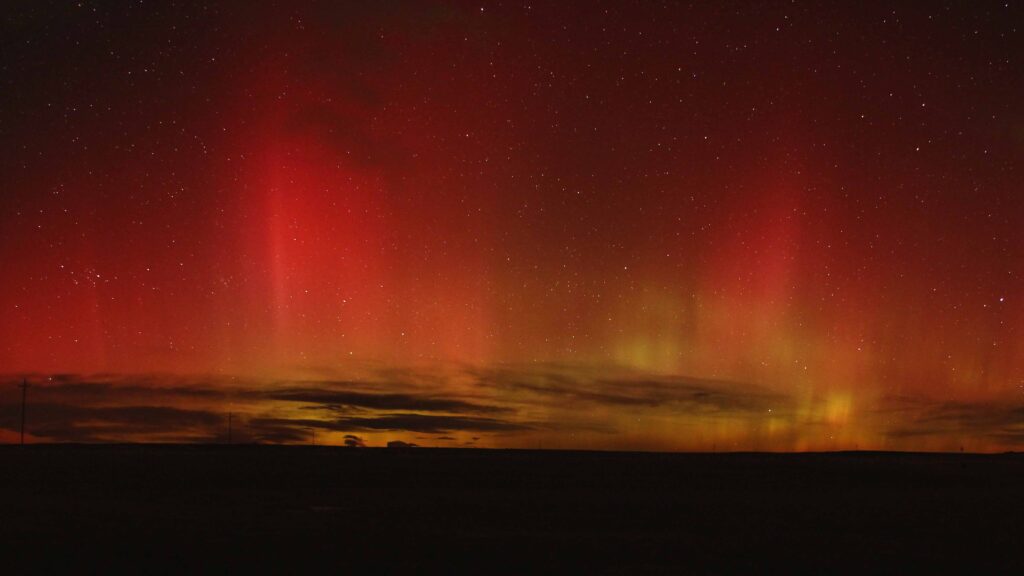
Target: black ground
[{"x": 207, "y": 508}]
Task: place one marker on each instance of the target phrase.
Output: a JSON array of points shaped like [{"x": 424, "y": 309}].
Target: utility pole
[
  {"x": 230, "y": 415},
  {"x": 24, "y": 390}
]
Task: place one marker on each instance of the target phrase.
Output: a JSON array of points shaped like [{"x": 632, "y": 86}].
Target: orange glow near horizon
[{"x": 673, "y": 239}]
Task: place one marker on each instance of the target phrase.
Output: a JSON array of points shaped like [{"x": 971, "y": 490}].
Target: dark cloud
[
  {"x": 69, "y": 423},
  {"x": 1004, "y": 423},
  {"x": 91, "y": 387},
  {"x": 341, "y": 400},
  {"x": 681, "y": 393},
  {"x": 73, "y": 407},
  {"x": 429, "y": 423},
  {"x": 353, "y": 441},
  {"x": 504, "y": 399},
  {"x": 423, "y": 423}
]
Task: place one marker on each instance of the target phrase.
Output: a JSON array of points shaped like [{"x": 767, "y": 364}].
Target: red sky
[{"x": 613, "y": 225}]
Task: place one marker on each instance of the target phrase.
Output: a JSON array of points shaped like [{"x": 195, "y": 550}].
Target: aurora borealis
[{"x": 622, "y": 225}]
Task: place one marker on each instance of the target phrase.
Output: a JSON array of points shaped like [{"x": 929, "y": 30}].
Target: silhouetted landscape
[
  {"x": 602, "y": 287},
  {"x": 185, "y": 508}
]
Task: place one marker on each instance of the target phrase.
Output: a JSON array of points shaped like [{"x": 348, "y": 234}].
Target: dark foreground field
[{"x": 207, "y": 508}]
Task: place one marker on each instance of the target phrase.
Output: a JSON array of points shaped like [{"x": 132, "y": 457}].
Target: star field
[{"x": 648, "y": 225}]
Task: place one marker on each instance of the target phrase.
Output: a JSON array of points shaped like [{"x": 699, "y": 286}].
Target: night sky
[{"x": 611, "y": 225}]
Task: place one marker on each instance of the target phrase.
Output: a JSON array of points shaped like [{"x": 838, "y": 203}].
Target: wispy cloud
[
  {"x": 343, "y": 400},
  {"x": 1000, "y": 422},
  {"x": 630, "y": 389},
  {"x": 69, "y": 423},
  {"x": 498, "y": 400},
  {"x": 424, "y": 423},
  {"x": 452, "y": 403}
]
